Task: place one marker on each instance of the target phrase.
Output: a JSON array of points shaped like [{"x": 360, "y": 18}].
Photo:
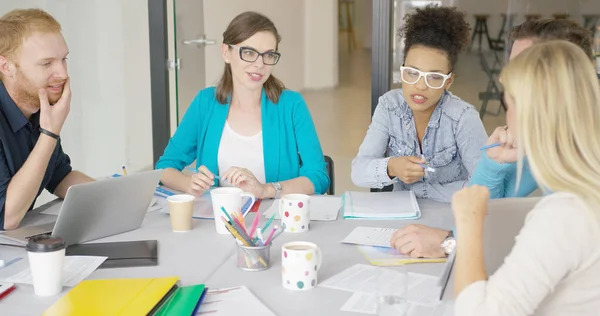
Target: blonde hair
[
  {"x": 557, "y": 97},
  {"x": 17, "y": 25}
]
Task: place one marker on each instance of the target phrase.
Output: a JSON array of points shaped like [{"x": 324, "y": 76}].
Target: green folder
[{"x": 184, "y": 302}]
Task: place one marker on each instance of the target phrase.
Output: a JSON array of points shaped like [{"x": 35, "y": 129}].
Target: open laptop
[
  {"x": 98, "y": 209},
  {"x": 503, "y": 223}
]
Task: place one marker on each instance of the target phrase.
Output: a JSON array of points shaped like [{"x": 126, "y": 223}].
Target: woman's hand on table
[{"x": 420, "y": 241}]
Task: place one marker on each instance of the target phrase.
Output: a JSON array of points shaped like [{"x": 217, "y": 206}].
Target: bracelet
[{"x": 49, "y": 133}]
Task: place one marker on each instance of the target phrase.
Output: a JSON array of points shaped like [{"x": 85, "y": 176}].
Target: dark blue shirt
[{"x": 18, "y": 136}]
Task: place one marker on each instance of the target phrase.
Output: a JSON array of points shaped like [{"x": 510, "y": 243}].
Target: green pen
[{"x": 264, "y": 229}]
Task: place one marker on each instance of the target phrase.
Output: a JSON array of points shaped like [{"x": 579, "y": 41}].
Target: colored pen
[
  {"x": 271, "y": 235},
  {"x": 226, "y": 214},
  {"x": 237, "y": 235},
  {"x": 260, "y": 237},
  {"x": 427, "y": 168},
  {"x": 239, "y": 224},
  {"x": 279, "y": 232},
  {"x": 254, "y": 225},
  {"x": 196, "y": 171},
  {"x": 264, "y": 229},
  {"x": 490, "y": 146},
  {"x": 124, "y": 170}
]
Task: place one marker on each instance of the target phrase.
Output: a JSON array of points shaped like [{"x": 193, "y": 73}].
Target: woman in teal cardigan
[{"x": 249, "y": 130}]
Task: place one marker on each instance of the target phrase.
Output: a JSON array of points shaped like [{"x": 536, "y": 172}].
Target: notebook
[
  {"x": 380, "y": 205},
  {"x": 185, "y": 301},
  {"x": 114, "y": 297}
]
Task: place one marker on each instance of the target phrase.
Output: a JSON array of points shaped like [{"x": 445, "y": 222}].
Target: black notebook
[{"x": 120, "y": 254}]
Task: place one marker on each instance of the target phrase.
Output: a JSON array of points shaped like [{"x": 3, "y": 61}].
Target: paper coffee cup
[
  {"x": 181, "y": 210},
  {"x": 46, "y": 256}
]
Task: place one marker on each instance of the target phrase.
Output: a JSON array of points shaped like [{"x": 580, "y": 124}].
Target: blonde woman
[{"x": 553, "y": 100}]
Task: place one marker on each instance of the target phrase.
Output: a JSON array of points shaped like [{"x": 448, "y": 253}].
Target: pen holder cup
[{"x": 253, "y": 258}]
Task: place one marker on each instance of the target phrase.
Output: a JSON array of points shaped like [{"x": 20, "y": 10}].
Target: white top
[
  {"x": 553, "y": 269},
  {"x": 236, "y": 150}
]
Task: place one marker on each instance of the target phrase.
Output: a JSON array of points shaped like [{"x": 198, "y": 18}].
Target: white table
[{"x": 203, "y": 256}]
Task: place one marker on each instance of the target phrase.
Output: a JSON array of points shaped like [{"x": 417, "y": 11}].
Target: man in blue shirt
[
  {"x": 35, "y": 99},
  {"x": 497, "y": 167}
]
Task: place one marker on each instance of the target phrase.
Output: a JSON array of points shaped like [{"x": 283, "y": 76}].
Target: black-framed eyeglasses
[{"x": 250, "y": 55}]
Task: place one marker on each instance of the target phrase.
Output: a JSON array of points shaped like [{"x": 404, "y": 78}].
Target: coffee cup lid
[{"x": 45, "y": 244}]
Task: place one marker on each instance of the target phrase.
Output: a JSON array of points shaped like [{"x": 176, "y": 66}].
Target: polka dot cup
[
  {"x": 300, "y": 263},
  {"x": 295, "y": 213}
]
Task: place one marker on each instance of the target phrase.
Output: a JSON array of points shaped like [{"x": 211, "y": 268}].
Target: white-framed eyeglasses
[{"x": 434, "y": 80}]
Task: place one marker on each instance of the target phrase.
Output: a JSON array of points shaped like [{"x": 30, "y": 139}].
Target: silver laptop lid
[{"x": 106, "y": 207}]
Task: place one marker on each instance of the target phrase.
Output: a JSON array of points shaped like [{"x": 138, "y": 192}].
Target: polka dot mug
[
  {"x": 294, "y": 210},
  {"x": 300, "y": 263}
]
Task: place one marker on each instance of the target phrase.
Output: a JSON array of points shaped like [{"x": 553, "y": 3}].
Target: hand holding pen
[
  {"x": 201, "y": 180},
  {"x": 501, "y": 146},
  {"x": 408, "y": 169}
]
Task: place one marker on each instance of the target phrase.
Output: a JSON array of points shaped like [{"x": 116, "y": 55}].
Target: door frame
[
  {"x": 381, "y": 57},
  {"x": 159, "y": 76}
]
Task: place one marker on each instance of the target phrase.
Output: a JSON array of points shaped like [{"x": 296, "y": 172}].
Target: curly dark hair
[{"x": 443, "y": 28}]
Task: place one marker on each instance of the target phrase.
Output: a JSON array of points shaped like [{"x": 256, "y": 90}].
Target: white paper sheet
[
  {"x": 370, "y": 236},
  {"x": 232, "y": 301},
  {"x": 322, "y": 208},
  {"x": 75, "y": 270},
  {"x": 362, "y": 278},
  {"x": 367, "y": 304}
]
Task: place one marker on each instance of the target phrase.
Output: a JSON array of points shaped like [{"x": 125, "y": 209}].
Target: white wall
[
  {"x": 291, "y": 21},
  {"x": 320, "y": 44},
  {"x": 110, "y": 120}
]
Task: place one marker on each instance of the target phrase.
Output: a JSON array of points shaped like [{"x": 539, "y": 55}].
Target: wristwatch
[
  {"x": 277, "y": 187},
  {"x": 449, "y": 243}
]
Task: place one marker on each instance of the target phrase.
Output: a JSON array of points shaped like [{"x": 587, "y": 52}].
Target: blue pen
[
  {"x": 196, "y": 171},
  {"x": 426, "y": 167},
  {"x": 490, "y": 146}
]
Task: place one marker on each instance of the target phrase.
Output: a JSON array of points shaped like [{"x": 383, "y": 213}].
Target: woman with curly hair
[{"x": 431, "y": 137}]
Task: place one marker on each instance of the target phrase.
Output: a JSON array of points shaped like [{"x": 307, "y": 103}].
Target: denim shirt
[{"x": 451, "y": 145}]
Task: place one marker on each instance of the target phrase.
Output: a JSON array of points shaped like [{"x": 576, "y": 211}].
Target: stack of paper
[
  {"x": 75, "y": 270},
  {"x": 421, "y": 297},
  {"x": 232, "y": 301},
  {"x": 322, "y": 208},
  {"x": 381, "y": 205}
]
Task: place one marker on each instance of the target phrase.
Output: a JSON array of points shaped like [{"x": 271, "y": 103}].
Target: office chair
[{"x": 331, "y": 174}]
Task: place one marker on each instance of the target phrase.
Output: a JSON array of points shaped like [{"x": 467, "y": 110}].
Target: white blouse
[
  {"x": 236, "y": 150},
  {"x": 553, "y": 269}
]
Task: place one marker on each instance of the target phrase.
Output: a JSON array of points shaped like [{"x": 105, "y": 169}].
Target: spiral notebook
[{"x": 380, "y": 205}]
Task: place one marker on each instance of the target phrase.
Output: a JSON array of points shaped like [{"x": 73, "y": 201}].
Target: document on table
[
  {"x": 232, "y": 301},
  {"x": 370, "y": 236},
  {"x": 362, "y": 278},
  {"x": 75, "y": 270},
  {"x": 386, "y": 257},
  {"x": 367, "y": 304},
  {"x": 322, "y": 208}
]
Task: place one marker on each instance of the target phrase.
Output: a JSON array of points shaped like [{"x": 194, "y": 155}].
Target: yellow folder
[{"x": 113, "y": 297}]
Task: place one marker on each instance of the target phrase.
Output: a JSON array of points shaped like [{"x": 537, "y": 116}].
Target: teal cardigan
[{"x": 291, "y": 146}]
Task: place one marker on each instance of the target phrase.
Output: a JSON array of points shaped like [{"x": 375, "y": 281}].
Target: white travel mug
[{"x": 46, "y": 256}]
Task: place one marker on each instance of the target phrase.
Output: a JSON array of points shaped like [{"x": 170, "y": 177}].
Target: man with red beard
[{"x": 35, "y": 98}]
